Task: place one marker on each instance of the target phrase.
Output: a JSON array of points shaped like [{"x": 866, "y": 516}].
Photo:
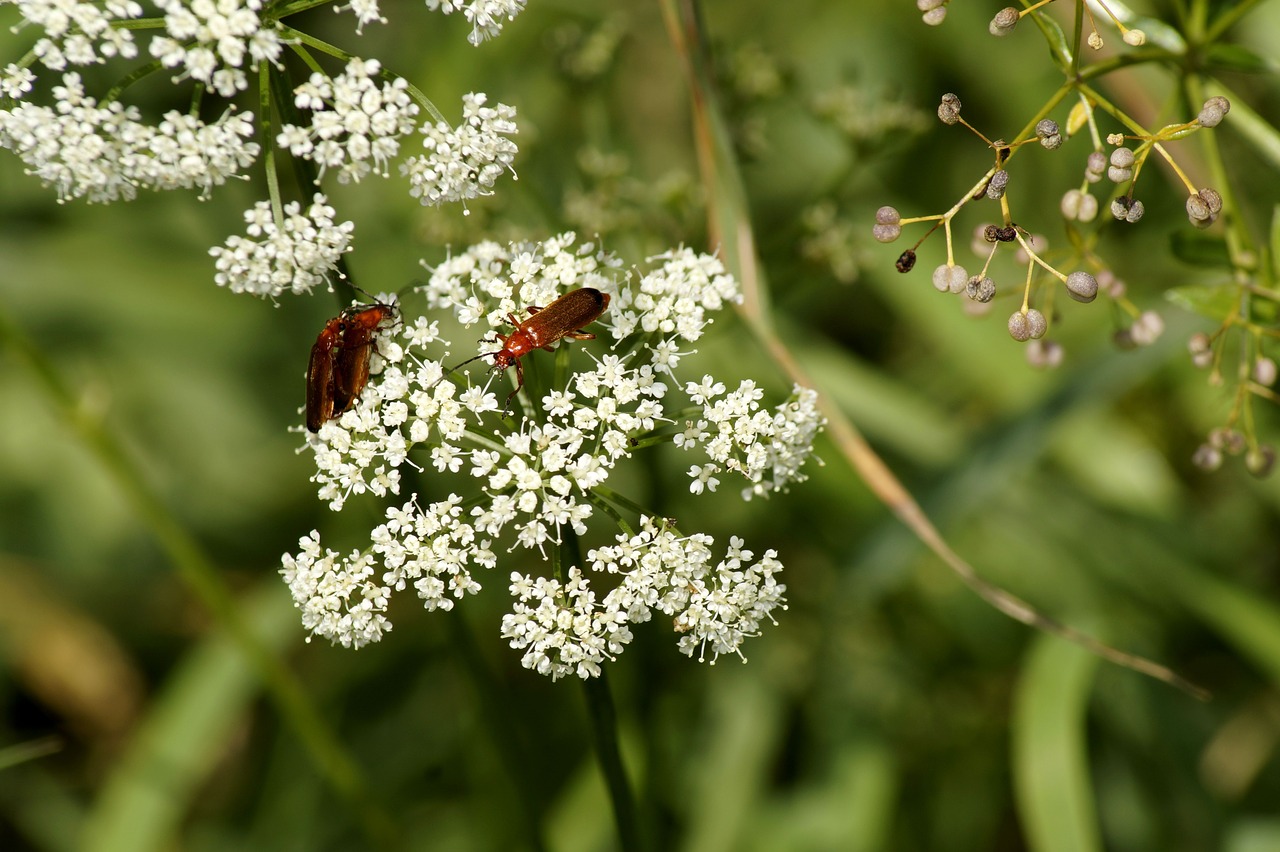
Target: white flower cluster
[
  {"x": 294, "y": 254},
  {"x": 463, "y": 163},
  {"x": 338, "y": 597},
  {"x": 563, "y": 630},
  {"x": 209, "y": 40},
  {"x": 106, "y": 153},
  {"x": 767, "y": 447},
  {"x": 79, "y": 33},
  {"x": 546, "y": 475},
  {"x": 486, "y": 16},
  {"x": 355, "y": 124}
]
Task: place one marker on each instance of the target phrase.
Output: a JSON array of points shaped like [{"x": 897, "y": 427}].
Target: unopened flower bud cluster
[
  {"x": 540, "y": 476},
  {"x": 1078, "y": 205},
  {"x": 1109, "y": 183}
]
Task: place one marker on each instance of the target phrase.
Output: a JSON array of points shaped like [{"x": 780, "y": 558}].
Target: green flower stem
[
  {"x": 139, "y": 73},
  {"x": 333, "y": 50},
  {"x": 1239, "y": 246},
  {"x": 609, "y": 509},
  {"x": 269, "y": 144},
  {"x": 604, "y": 731},
  {"x": 203, "y": 579},
  {"x": 609, "y": 495},
  {"x": 730, "y": 227},
  {"x": 277, "y": 88},
  {"x": 1229, "y": 19},
  {"x": 139, "y": 24},
  {"x": 305, "y": 55}
]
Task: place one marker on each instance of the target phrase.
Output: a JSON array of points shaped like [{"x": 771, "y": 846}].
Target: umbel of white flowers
[{"x": 545, "y": 476}]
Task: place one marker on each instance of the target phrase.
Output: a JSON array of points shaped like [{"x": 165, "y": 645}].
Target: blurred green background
[{"x": 889, "y": 709}]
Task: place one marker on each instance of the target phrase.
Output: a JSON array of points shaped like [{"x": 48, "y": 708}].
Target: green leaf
[
  {"x": 1200, "y": 249},
  {"x": 1210, "y": 300},
  {"x": 1050, "y": 767},
  {"x": 1237, "y": 57}
]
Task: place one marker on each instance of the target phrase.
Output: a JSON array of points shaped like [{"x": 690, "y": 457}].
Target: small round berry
[
  {"x": 1037, "y": 324},
  {"x": 1006, "y": 235},
  {"x": 1203, "y": 207},
  {"x": 1095, "y": 40},
  {"x": 1044, "y": 354},
  {"x": 980, "y": 289},
  {"x": 1004, "y": 21},
  {"x": 888, "y": 216},
  {"x": 991, "y": 233},
  {"x": 1049, "y": 134},
  {"x": 1228, "y": 440},
  {"x": 1207, "y": 458},
  {"x": 906, "y": 261},
  {"x": 950, "y": 278},
  {"x": 1127, "y": 209},
  {"x": 1135, "y": 38},
  {"x": 1147, "y": 328},
  {"x": 1088, "y": 207},
  {"x": 1070, "y": 204},
  {"x": 1095, "y": 166},
  {"x": 1019, "y": 328},
  {"x": 997, "y": 184},
  {"x": 1121, "y": 170},
  {"x": 886, "y": 233},
  {"x": 1264, "y": 371},
  {"x": 1260, "y": 461},
  {"x": 1082, "y": 286},
  {"x": 949, "y": 108},
  {"x": 934, "y": 17},
  {"x": 1110, "y": 284},
  {"x": 1201, "y": 350},
  {"x": 1214, "y": 110}
]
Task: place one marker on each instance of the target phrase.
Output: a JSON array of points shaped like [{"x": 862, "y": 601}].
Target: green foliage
[{"x": 890, "y": 709}]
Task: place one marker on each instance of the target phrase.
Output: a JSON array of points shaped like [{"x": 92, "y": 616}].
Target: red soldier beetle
[
  {"x": 563, "y": 318},
  {"x": 320, "y": 384},
  {"x": 339, "y": 365},
  {"x": 351, "y": 363}
]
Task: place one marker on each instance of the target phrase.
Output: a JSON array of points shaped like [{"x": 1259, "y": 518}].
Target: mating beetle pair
[{"x": 339, "y": 367}]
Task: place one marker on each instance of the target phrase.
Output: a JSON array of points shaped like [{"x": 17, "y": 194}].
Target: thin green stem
[
  {"x": 1229, "y": 19},
  {"x": 338, "y": 53},
  {"x": 604, "y": 733},
  {"x": 606, "y": 493},
  {"x": 139, "y": 73},
  {"x": 266, "y": 125}
]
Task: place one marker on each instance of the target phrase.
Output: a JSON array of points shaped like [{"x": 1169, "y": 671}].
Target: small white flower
[
  {"x": 463, "y": 163},
  {"x": 294, "y": 255},
  {"x": 703, "y": 477},
  {"x": 356, "y": 124},
  {"x": 210, "y": 39},
  {"x": 106, "y": 153},
  {"x": 80, "y": 33},
  {"x": 486, "y": 16}
]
